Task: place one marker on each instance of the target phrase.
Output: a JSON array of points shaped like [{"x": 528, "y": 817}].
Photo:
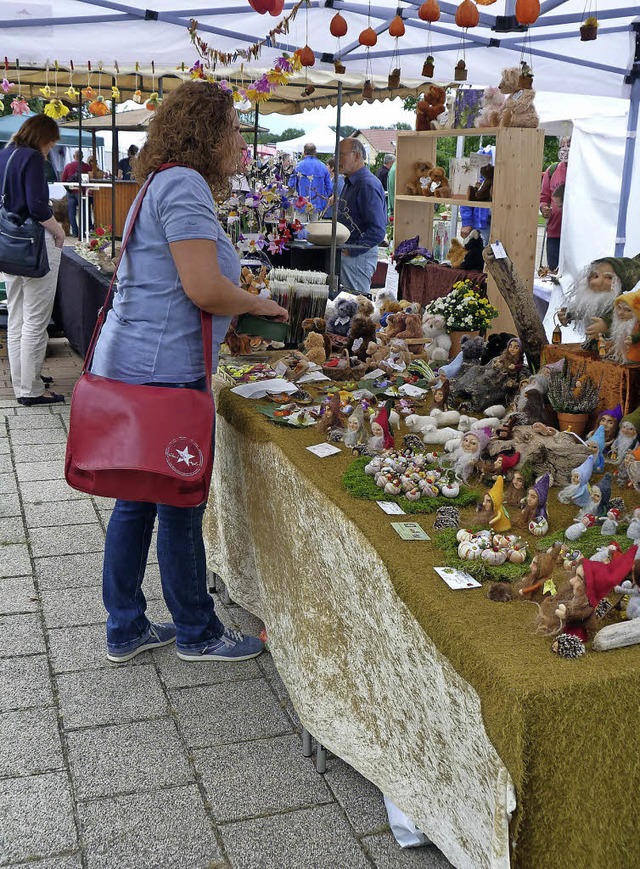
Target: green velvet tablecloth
[{"x": 564, "y": 730}]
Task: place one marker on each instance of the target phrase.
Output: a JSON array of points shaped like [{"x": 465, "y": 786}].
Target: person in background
[
  {"x": 550, "y": 208},
  {"x": 72, "y": 172},
  {"x": 361, "y": 208},
  {"x": 475, "y": 218},
  {"x": 338, "y": 185},
  {"x": 30, "y": 300},
  {"x": 124, "y": 165},
  {"x": 50, "y": 174},
  {"x": 311, "y": 179},
  {"x": 383, "y": 172},
  {"x": 177, "y": 262},
  {"x": 391, "y": 189}
]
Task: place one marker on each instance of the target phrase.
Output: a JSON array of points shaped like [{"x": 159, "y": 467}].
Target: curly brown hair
[
  {"x": 194, "y": 126},
  {"x": 36, "y": 132}
]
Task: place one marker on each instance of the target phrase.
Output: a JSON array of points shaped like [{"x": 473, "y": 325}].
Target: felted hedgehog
[
  {"x": 413, "y": 442},
  {"x": 501, "y": 592},
  {"x": 568, "y": 646},
  {"x": 447, "y": 517}
]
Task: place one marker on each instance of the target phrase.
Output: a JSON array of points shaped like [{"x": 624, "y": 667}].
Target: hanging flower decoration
[
  {"x": 88, "y": 93},
  {"x": 19, "y": 106},
  {"x": 153, "y": 102},
  {"x": 98, "y": 107},
  {"x": 115, "y": 93},
  {"x": 7, "y": 85},
  {"x": 46, "y": 92},
  {"x": 260, "y": 90},
  {"x": 71, "y": 92},
  {"x": 56, "y": 109}
]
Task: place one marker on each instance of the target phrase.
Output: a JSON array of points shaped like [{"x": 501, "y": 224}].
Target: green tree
[
  {"x": 401, "y": 125},
  {"x": 345, "y": 130}
]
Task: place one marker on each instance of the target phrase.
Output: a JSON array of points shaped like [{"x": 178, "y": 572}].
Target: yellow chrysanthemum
[{"x": 275, "y": 76}]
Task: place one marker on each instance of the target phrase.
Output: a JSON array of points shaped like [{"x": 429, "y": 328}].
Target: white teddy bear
[{"x": 439, "y": 343}]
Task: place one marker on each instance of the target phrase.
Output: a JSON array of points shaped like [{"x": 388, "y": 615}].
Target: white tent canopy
[{"x": 324, "y": 138}]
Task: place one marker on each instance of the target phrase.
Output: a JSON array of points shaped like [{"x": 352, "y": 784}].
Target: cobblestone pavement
[{"x": 155, "y": 763}]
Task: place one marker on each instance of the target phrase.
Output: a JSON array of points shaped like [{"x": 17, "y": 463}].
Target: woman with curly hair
[{"x": 178, "y": 261}]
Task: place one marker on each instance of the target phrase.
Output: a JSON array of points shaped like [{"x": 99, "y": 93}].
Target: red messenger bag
[{"x": 141, "y": 443}]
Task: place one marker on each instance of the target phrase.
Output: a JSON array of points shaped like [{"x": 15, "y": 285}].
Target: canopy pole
[
  {"x": 627, "y": 167},
  {"x": 256, "y": 116},
  {"x": 334, "y": 274},
  {"x": 114, "y": 170},
  {"x": 79, "y": 218}
]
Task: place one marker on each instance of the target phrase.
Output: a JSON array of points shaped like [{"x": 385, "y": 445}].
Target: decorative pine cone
[
  {"x": 603, "y": 608},
  {"x": 413, "y": 442},
  {"x": 569, "y": 646},
  {"x": 446, "y": 517}
]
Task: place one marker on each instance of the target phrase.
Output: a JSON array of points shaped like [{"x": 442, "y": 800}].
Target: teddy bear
[
  {"x": 473, "y": 259},
  {"x": 492, "y": 102},
  {"x": 257, "y": 285},
  {"x": 386, "y": 309},
  {"x": 439, "y": 342},
  {"x": 361, "y": 334},
  {"x": 456, "y": 254},
  {"x": 365, "y": 306},
  {"x": 482, "y": 191},
  {"x": 396, "y": 323},
  {"x": 314, "y": 348},
  {"x": 397, "y": 357},
  {"x": 518, "y": 109},
  {"x": 428, "y": 108},
  {"x": 339, "y": 322},
  {"x": 439, "y": 186},
  {"x": 420, "y": 178},
  {"x": 319, "y": 325},
  {"x": 412, "y": 327}
]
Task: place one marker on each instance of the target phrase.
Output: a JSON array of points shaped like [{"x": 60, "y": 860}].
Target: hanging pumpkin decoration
[
  {"x": 273, "y": 7},
  {"x": 527, "y": 11},
  {"x": 397, "y": 28},
  {"x": 338, "y": 26},
  {"x": 307, "y": 57},
  {"x": 467, "y": 14},
  {"x": 98, "y": 107},
  {"x": 276, "y": 8},
  {"x": 429, "y": 11},
  {"x": 368, "y": 37}
]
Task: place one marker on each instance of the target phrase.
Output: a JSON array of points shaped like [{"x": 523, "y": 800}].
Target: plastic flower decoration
[
  {"x": 19, "y": 106},
  {"x": 6, "y": 85},
  {"x": 56, "y": 109}
]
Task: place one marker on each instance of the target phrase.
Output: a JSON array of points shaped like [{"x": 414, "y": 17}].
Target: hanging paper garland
[{"x": 19, "y": 106}]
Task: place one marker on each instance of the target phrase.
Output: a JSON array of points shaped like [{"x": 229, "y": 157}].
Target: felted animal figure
[
  {"x": 319, "y": 325},
  {"x": 420, "y": 178},
  {"x": 492, "y": 102},
  {"x": 430, "y": 107},
  {"x": 412, "y": 327},
  {"x": 474, "y": 245},
  {"x": 339, "y": 322},
  {"x": 482, "y": 191},
  {"x": 518, "y": 109},
  {"x": 438, "y": 341},
  {"x": 439, "y": 186},
  {"x": 362, "y": 332},
  {"x": 457, "y": 253},
  {"x": 314, "y": 348}
]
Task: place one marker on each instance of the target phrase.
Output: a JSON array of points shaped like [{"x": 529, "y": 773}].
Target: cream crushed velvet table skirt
[{"x": 363, "y": 676}]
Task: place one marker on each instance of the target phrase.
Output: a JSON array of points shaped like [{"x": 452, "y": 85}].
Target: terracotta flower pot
[
  {"x": 575, "y": 422},
  {"x": 588, "y": 32},
  {"x": 456, "y": 338},
  {"x": 460, "y": 72}
]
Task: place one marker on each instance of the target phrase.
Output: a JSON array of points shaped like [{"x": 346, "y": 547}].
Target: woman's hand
[{"x": 271, "y": 309}]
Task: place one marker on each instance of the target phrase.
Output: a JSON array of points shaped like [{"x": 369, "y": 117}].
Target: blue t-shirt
[{"x": 152, "y": 334}]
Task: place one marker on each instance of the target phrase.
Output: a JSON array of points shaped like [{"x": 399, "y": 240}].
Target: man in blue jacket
[
  {"x": 363, "y": 209},
  {"x": 311, "y": 179}
]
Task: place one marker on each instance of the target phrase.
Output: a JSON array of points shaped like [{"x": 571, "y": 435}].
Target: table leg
[{"x": 306, "y": 743}]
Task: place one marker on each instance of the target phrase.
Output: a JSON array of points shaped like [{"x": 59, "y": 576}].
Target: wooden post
[{"x": 520, "y": 304}]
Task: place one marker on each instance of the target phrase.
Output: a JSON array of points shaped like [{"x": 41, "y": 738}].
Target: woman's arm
[
  {"x": 197, "y": 264},
  {"x": 55, "y": 229}
]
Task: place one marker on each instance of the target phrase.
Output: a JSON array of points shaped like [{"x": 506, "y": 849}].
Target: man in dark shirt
[
  {"x": 70, "y": 173},
  {"x": 361, "y": 208},
  {"x": 383, "y": 172},
  {"x": 124, "y": 165}
]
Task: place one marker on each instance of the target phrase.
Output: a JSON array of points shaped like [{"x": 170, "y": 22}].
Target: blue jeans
[
  {"x": 553, "y": 252},
  {"x": 356, "y": 271},
  {"x": 182, "y": 563},
  {"x": 72, "y": 207}
]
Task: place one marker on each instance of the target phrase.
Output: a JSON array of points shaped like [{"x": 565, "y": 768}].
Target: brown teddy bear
[
  {"x": 482, "y": 191},
  {"x": 395, "y": 324},
  {"x": 420, "y": 178},
  {"x": 439, "y": 186},
  {"x": 518, "y": 109},
  {"x": 318, "y": 324},
  {"x": 365, "y": 306},
  {"x": 428, "y": 108},
  {"x": 361, "y": 334},
  {"x": 457, "y": 253},
  {"x": 412, "y": 327},
  {"x": 388, "y": 307},
  {"x": 314, "y": 348}
]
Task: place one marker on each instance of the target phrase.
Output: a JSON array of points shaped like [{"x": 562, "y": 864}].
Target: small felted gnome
[
  {"x": 500, "y": 521},
  {"x": 624, "y": 346},
  {"x": 626, "y": 437},
  {"x": 577, "y": 492},
  {"x": 381, "y": 437},
  {"x": 535, "y": 506},
  {"x": 596, "y": 445}
]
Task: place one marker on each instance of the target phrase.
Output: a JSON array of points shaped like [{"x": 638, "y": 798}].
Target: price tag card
[
  {"x": 323, "y": 450},
  {"x": 410, "y": 531},
  {"x": 391, "y": 508},
  {"x": 412, "y": 391},
  {"x": 498, "y": 251},
  {"x": 457, "y": 579}
]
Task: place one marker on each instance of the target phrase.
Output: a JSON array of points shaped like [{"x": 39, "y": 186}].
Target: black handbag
[{"x": 23, "y": 250}]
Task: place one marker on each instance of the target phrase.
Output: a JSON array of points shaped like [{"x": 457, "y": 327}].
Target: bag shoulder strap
[
  {"x": 205, "y": 318},
  {"x": 552, "y": 171},
  {"x": 4, "y": 179}
]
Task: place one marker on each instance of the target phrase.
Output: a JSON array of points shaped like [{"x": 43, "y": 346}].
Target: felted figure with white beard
[
  {"x": 624, "y": 335},
  {"x": 591, "y": 299},
  {"x": 466, "y": 457}
]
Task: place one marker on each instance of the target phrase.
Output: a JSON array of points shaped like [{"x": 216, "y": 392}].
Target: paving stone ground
[{"x": 154, "y": 763}]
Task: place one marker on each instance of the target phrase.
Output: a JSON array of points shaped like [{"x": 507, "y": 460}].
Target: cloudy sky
[{"x": 382, "y": 114}]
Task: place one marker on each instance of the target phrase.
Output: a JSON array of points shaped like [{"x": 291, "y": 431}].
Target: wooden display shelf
[{"x": 449, "y": 200}]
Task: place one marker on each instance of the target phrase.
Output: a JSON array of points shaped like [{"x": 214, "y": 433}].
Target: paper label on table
[
  {"x": 264, "y": 387},
  {"x": 280, "y": 369},
  {"x": 410, "y": 531},
  {"x": 323, "y": 450},
  {"x": 313, "y": 377},
  {"x": 391, "y": 508},
  {"x": 371, "y": 375},
  {"x": 498, "y": 251},
  {"x": 412, "y": 391},
  {"x": 457, "y": 579}
]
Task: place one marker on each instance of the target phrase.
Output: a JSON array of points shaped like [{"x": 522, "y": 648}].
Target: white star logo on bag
[{"x": 184, "y": 457}]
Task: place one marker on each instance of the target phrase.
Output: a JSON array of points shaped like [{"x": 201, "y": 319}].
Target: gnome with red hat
[{"x": 381, "y": 438}]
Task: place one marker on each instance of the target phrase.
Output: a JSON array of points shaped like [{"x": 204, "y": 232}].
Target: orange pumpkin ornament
[
  {"x": 98, "y": 107},
  {"x": 368, "y": 37},
  {"x": 396, "y": 28},
  {"x": 307, "y": 57},
  {"x": 338, "y": 26},
  {"x": 429, "y": 11},
  {"x": 467, "y": 14},
  {"x": 527, "y": 11}
]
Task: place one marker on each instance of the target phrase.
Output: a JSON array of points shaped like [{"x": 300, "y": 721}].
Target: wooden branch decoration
[{"x": 520, "y": 303}]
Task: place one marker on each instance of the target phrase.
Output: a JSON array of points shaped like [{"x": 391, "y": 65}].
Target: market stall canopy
[
  {"x": 10, "y": 124},
  {"x": 324, "y": 138},
  {"x": 135, "y": 35}
]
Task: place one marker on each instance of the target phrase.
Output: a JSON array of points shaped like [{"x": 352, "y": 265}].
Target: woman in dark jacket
[{"x": 30, "y": 300}]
